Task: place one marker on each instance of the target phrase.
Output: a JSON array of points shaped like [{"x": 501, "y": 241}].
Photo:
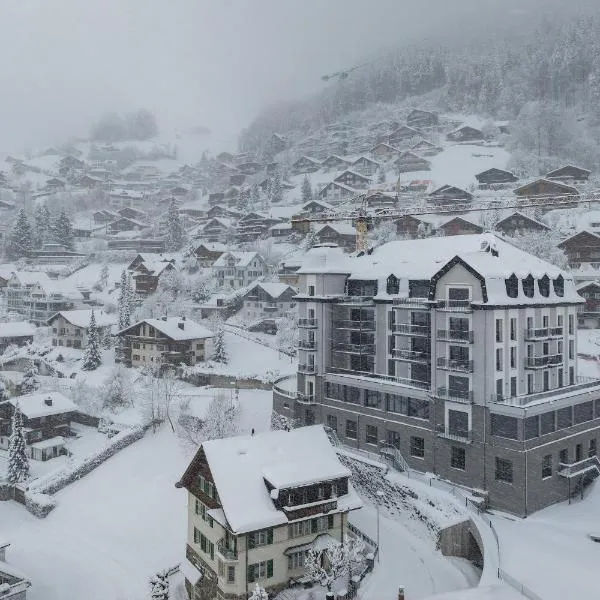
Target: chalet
[
  {"x": 179, "y": 191},
  {"x": 207, "y": 253},
  {"x": 503, "y": 127},
  {"x": 383, "y": 151},
  {"x": 54, "y": 183},
  {"x": 125, "y": 224},
  {"x": 280, "y": 230},
  {"x": 277, "y": 143},
  {"x": 14, "y": 581},
  {"x": 89, "y": 182},
  {"x": 425, "y": 148},
  {"x": 381, "y": 201},
  {"x": 569, "y": 174},
  {"x": 70, "y": 163},
  {"x": 341, "y": 234},
  {"x": 581, "y": 248},
  {"x": 235, "y": 270},
  {"x": 287, "y": 271},
  {"x": 311, "y": 208},
  {"x": 365, "y": 166},
  {"x": 417, "y": 185},
  {"x": 413, "y": 227},
  {"x": 288, "y": 506},
  {"x": 166, "y": 341},
  {"x": 219, "y": 230},
  {"x": 305, "y": 164},
  {"x": 334, "y": 162},
  {"x": 420, "y": 119},
  {"x": 104, "y": 216},
  {"x": 518, "y": 222},
  {"x": 218, "y": 210},
  {"x": 216, "y": 198},
  {"x": 149, "y": 257},
  {"x": 47, "y": 420},
  {"x": 449, "y": 194},
  {"x": 353, "y": 179},
  {"x": 495, "y": 178},
  {"x": 588, "y": 317},
  {"x": 548, "y": 194},
  {"x": 138, "y": 244},
  {"x": 253, "y": 226},
  {"x": 148, "y": 273},
  {"x": 335, "y": 192},
  {"x": 70, "y": 327},
  {"x": 16, "y": 333},
  {"x": 122, "y": 197},
  {"x": 459, "y": 226},
  {"x": 409, "y": 161},
  {"x": 54, "y": 254},
  {"x": 250, "y": 167},
  {"x": 465, "y": 134},
  {"x": 403, "y": 135},
  {"x": 268, "y": 301},
  {"x": 132, "y": 213}
]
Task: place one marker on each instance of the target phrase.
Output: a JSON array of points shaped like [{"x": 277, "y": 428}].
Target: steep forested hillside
[{"x": 544, "y": 77}]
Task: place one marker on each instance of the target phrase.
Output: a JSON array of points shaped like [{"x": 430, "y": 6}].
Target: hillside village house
[
  {"x": 253, "y": 226},
  {"x": 168, "y": 340},
  {"x": 70, "y": 327},
  {"x": 582, "y": 248},
  {"x": 47, "y": 420},
  {"x": 219, "y": 229},
  {"x": 459, "y": 226},
  {"x": 403, "y": 135},
  {"x": 268, "y": 301},
  {"x": 54, "y": 254},
  {"x": 353, "y": 179},
  {"x": 305, "y": 164},
  {"x": 147, "y": 274},
  {"x": 381, "y": 201},
  {"x": 408, "y": 162},
  {"x": 15, "y": 582},
  {"x": 517, "y": 222},
  {"x": 421, "y": 118},
  {"x": 383, "y": 151},
  {"x": 341, "y": 234},
  {"x": 461, "y": 359},
  {"x": 550, "y": 194},
  {"x": 207, "y": 253},
  {"x": 16, "y": 333},
  {"x": 465, "y": 134},
  {"x": 334, "y": 162},
  {"x": 495, "y": 179},
  {"x": 234, "y": 270},
  {"x": 335, "y": 192},
  {"x": 425, "y": 148},
  {"x": 450, "y": 195},
  {"x": 256, "y": 504},
  {"x": 569, "y": 174},
  {"x": 365, "y": 166}
]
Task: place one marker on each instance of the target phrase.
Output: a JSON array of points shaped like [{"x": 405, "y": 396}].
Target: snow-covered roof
[
  {"x": 170, "y": 326},
  {"x": 290, "y": 458},
  {"x": 16, "y": 329},
  {"x": 81, "y": 318},
  {"x": 34, "y": 405},
  {"x": 242, "y": 259},
  {"x": 326, "y": 258},
  {"x": 212, "y": 246},
  {"x": 30, "y": 277},
  {"x": 49, "y": 443},
  {"x": 340, "y": 227},
  {"x": 275, "y": 290}
]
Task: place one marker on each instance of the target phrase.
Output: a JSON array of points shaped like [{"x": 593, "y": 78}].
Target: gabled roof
[
  {"x": 581, "y": 236},
  {"x": 335, "y": 158},
  {"x": 211, "y": 246},
  {"x": 557, "y": 185},
  {"x": 449, "y": 188},
  {"x": 354, "y": 174},
  {"x": 170, "y": 327},
  {"x": 34, "y": 405},
  {"x": 340, "y": 185},
  {"x": 16, "y": 329},
  {"x": 274, "y": 290},
  {"x": 365, "y": 158},
  {"x": 405, "y": 129},
  {"x": 314, "y": 161},
  {"x": 81, "y": 318},
  {"x": 242, "y": 259},
  {"x": 460, "y": 220},
  {"x": 342, "y": 228},
  {"x": 496, "y": 170},
  {"x": 558, "y": 172},
  {"x": 320, "y": 203},
  {"x": 521, "y": 215}
]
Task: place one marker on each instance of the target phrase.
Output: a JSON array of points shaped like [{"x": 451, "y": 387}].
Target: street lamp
[{"x": 380, "y": 495}]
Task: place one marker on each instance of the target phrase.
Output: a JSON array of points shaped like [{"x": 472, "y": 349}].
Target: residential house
[
  {"x": 89, "y": 182},
  {"x": 219, "y": 229},
  {"x": 569, "y": 174},
  {"x": 168, "y": 340},
  {"x": 589, "y": 315},
  {"x": 403, "y": 135},
  {"x": 460, "y": 359},
  {"x": 288, "y": 271},
  {"x": 47, "y": 420},
  {"x": 365, "y": 166},
  {"x": 69, "y": 164},
  {"x": 352, "y": 179},
  {"x": 121, "y": 197},
  {"x": 235, "y": 270},
  {"x": 133, "y": 213},
  {"x": 334, "y": 163},
  {"x": 411, "y": 226},
  {"x": 495, "y": 179},
  {"x": 280, "y": 230},
  {"x": 409, "y": 161},
  {"x": 450, "y": 195},
  {"x": 216, "y": 198},
  {"x": 70, "y": 327},
  {"x": 268, "y": 301},
  {"x": 335, "y": 192},
  {"x": 206, "y": 253},
  {"x": 237, "y": 179},
  {"x": 138, "y": 244},
  {"x": 517, "y": 222},
  {"x": 250, "y": 167},
  {"x": 147, "y": 274},
  {"x": 253, "y": 226},
  {"x": 381, "y": 201},
  {"x": 277, "y": 143},
  {"x": 305, "y": 164},
  {"x": 14, "y": 583},
  {"x": 342, "y": 234},
  {"x": 16, "y": 333},
  {"x": 54, "y": 183},
  {"x": 125, "y": 224},
  {"x": 459, "y": 226},
  {"x": 421, "y": 119},
  {"x": 54, "y": 254},
  {"x": 425, "y": 148},
  {"x": 384, "y": 152},
  {"x": 296, "y": 495},
  {"x": 465, "y": 134},
  {"x": 548, "y": 194},
  {"x": 582, "y": 248},
  {"x": 104, "y": 216}
]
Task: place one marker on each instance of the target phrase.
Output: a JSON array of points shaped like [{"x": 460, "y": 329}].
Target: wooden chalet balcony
[{"x": 543, "y": 333}]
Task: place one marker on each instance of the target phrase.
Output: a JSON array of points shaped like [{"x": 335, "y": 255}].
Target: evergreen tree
[
  {"x": 307, "y": 193},
  {"x": 63, "y": 231},
  {"x": 159, "y": 586},
  {"x": 124, "y": 302},
  {"x": 3, "y": 391},
  {"x": 91, "y": 358},
  {"x": 18, "y": 463},
  {"x": 42, "y": 225},
  {"x": 20, "y": 242},
  {"x": 276, "y": 190},
  {"x": 103, "y": 280},
  {"x": 115, "y": 392},
  {"x": 30, "y": 381},
  {"x": 174, "y": 239},
  {"x": 220, "y": 354},
  {"x": 254, "y": 197}
]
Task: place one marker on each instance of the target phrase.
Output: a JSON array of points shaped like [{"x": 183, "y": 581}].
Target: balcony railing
[
  {"x": 307, "y": 344},
  {"x": 309, "y": 369},
  {"x": 464, "y": 396},
  {"x": 355, "y": 325},
  {"x": 582, "y": 384},
  {"x": 228, "y": 554},
  {"x": 541, "y": 362},
  {"x": 459, "y": 435},
  {"x": 306, "y": 398},
  {"x": 455, "y": 305},
  {"x": 411, "y": 355},
  {"x": 412, "y": 302},
  {"x": 543, "y": 333},
  {"x": 455, "y": 335},
  {"x": 354, "y": 348},
  {"x": 368, "y": 300},
  {"x": 581, "y": 467},
  {"x": 411, "y": 329},
  {"x": 308, "y": 323},
  {"x": 453, "y": 364},
  {"x": 422, "y": 385}
]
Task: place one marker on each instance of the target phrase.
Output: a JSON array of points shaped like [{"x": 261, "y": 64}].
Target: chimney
[
  {"x": 164, "y": 318},
  {"x": 48, "y": 401},
  {"x": 401, "y": 593},
  {"x": 181, "y": 325}
]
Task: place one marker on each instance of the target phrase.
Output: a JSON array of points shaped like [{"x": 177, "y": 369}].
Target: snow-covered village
[{"x": 298, "y": 302}]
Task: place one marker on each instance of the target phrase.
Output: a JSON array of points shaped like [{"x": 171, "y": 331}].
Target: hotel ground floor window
[
  {"x": 393, "y": 439},
  {"x": 417, "y": 446},
  {"x": 504, "y": 470},
  {"x": 458, "y": 458}
]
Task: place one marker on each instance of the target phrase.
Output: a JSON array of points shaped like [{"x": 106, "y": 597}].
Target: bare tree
[{"x": 326, "y": 565}]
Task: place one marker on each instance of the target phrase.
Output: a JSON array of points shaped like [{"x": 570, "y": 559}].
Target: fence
[{"x": 517, "y": 585}]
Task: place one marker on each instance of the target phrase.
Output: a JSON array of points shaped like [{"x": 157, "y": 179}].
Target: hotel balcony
[
  {"x": 307, "y": 344},
  {"x": 542, "y": 362},
  {"x": 455, "y": 335},
  {"x": 452, "y": 364},
  {"x": 463, "y": 396},
  {"x": 411, "y": 356},
  {"x": 543, "y": 333},
  {"x": 410, "y": 329},
  {"x": 308, "y": 323},
  {"x": 454, "y": 305}
]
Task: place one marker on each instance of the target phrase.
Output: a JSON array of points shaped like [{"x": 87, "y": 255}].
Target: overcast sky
[{"x": 196, "y": 62}]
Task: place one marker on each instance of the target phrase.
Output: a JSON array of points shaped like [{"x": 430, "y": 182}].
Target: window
[
  {"x": 205, "y": 544},
  {"x": 499, "y": 328},
  {"x": 332, "y": 422},
  {"x": 512, "y": 286},
  {"x": 260, "y": 570},
  {"x": 546, "y": 380},
  {"x": 529, "y": 380},
  {"x": 592, "y": 448},
  {"x": 578, "y": 452},
  {"x": 263, "y": 537},
  {"x": 528, "y": 286},
  {"x": 351, "y": 431},
  {"x": 393, "y": 285},
  {"x": 547, "y": 466},
  {"x": 411, "y": 407},
  {"x": 458, "y": 293},
  {"x": 458, "y": 458},
  {"x": 500, "y": 388},
  {"x": 571, "y": 375},
  {"x": 498, "y": 359},
  {"x": 559, "y": 286},
  {"x": 513, "y": 357},
  {"x": 564, "y": 417},
  {"x": 547, "y": 424},
  {"x": 513, "y": 387},
  {"x": 563, "y": 456},
  {"x": 583, "y": 412},
  {"x": 531, "y": 426},
  {"x": 393, "y": 438},
  {"x": 372, "y": 399},
  {"x": 230, "y": 574},
  {"x": 311, "y": 290},
  {"x": 544, "y": 286},
  {"x": 504, "y": 426},
  {"x": 371, "y": 434},
  {"x": 296, "y": 560},
  {"x": 417, "y": 446},
  {"x": 299, "y": 529},
  {"x": 458, "y": 423},
  {"x": 513, "y": 329},
  {"x": 504, "y": 470},
  {"x": 571, "y": 349},
  {"x": 571, "y": 325}
]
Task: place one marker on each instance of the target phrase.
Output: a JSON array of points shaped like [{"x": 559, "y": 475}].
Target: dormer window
[
  {"x": 512, "y": 286},
  {"x": 529, "y": 286},
  {"x": 544, "y": 286},
  {"x": 559, "y": 286},
  {"x": 393, "y": 285}
]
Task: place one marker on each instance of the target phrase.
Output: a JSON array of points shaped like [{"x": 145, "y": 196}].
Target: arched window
[
  {"x": 544, "y": 286},
  {"x": 512, "y": 286},
  {"x": 529, "y": 286},
  {"x": 393, "y": 285},
  {"x": 559, "y": 286}
]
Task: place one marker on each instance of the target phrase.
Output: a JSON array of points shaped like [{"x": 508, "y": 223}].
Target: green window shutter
[
  {"x": 269, "y": 536},
  {"x": 269, "y": 568},
  {"x": 250, "y": 573}
]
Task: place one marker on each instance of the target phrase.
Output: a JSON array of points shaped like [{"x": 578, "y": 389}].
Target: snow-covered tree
[
  {"x": 325, "y": 565},
  {"x": 258, "y": 593},
  {"x": 310, "y": 240},
  {"x": 103, "y": 278},
  {"x": 281, "y": 422},
  {"x": 124, "y": 302},
  {"x": 62, "y": 231},
  {"x": 222, "y": 417},
  {"x": 383, "y": 233},
  {"x": 307, "y": 193},
  {"x": 220, "y": 352},
  {"x": 116, "y": 392},
  {"x": 30, "y": 381},
  {"x": 175, "y": 233},
  {"x": 18, "y": 463},
  {"x": 159, "y": 586},
  {"x": 287, "y": 334},
  {"x": 20, "y": 241},
  {"x": 201, "y": 288},
  {"x": 254, "y": 197},
  {"x": 541, "y": 244},
  {"x": 275, "y": 188},
  {"x": 3, "y": 391},
  {"x": 91, "y": 358},
  {"x": 42, "y": 222}
]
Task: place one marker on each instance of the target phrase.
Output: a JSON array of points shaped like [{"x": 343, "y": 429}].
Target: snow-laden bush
[{"x": 39, "y": 504}]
